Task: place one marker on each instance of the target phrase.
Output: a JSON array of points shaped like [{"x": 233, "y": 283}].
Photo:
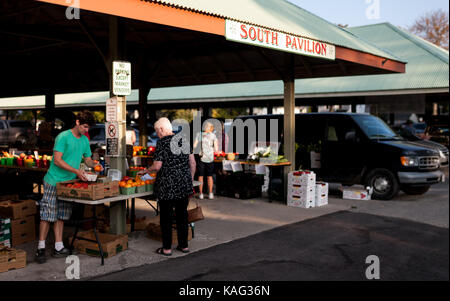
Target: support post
[
  {"x": 117, "y": 210},
  {"x": 289, "y": 119},
  {"x": 143, "y": 93}
]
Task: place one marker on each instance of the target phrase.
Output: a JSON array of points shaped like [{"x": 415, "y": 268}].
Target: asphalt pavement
[{"x": 331, "y": 247}]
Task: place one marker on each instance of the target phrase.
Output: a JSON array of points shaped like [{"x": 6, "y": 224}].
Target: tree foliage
[{"x": 433, "y": 27}]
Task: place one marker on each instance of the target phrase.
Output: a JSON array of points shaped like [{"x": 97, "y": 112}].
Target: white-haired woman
[
  {"x": 209, "y": 145},
  {"x": 175, "y": 165}
]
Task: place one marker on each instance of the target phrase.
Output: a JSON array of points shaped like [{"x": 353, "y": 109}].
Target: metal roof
[
  {"x": 427, "y": 69},
  {"x": 281, "y": 15}
]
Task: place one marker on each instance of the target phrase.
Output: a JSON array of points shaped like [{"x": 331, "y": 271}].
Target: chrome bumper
[{"x": 431, "y": 177}]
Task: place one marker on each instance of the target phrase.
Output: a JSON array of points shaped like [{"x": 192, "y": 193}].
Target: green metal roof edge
[
  {"x": 394, "y": 56},
  {"x": 439, "y": 52},
  {"x": 382, "y": 52}
]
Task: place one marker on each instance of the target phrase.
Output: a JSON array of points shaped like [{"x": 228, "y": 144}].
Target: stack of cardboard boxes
[
  {"x": 5, "y": 232},
  {"x": 304, "y": 191},
  {"x": 21, "y": 215}
]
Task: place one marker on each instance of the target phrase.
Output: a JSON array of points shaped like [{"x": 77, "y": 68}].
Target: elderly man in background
[{"x": 175, "y": 166}]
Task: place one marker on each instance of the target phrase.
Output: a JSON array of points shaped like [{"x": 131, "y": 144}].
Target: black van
[{"x": 361, "y": 149}]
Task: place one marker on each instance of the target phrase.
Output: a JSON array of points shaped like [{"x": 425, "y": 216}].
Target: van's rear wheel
[
  {"x": 385, "y": 184},
  {"x": 415, "y": 190}
]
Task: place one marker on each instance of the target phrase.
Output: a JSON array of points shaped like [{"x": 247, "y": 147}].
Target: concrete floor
[{"x": 229, "y": 219}]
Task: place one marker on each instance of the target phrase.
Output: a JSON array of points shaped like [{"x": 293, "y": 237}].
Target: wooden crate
[
  {"x": 17, "y": 209},
  {"x": 95, "y": 191},
  {"x": 111, "y": 244},
  {"x": 12, "y": 259},
  {"x": 23, "y": 230},
  {"x": 111, "y": 189},
  {"x": 154, "y": 232}
]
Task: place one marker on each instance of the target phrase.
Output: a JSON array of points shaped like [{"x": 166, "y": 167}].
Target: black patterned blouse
[{"x": 174, "y": 180}]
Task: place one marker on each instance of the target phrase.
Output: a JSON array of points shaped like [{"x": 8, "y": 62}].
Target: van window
[
  {"x": 341, "y": 130},
  {"x": 374, "y": 127},
  {"x": 309, "y": 130}
]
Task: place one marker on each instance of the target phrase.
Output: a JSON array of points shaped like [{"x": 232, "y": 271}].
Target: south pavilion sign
[{"x": 262, "y": 37}]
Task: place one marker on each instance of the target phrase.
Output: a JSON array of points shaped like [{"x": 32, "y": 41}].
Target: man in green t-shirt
[{"x": 70, "y": 148}]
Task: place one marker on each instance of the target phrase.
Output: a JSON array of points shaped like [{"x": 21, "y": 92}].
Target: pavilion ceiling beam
[
  {"x": 94, "y": 43},
  {"x": 218, "y": 68},
  {"x": 342, "y": 67},
  {"x": 269, "y": 61},
  {"x": 244, "y": 64},
  {"x": 21, "y": 51},
  {"x": 306, "y": 64},
  {"x": 191, "y": 70}
]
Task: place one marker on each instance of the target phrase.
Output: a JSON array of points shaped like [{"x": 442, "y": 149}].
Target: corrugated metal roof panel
[
  {"x": 17, "y": 103},
  {"x": 427, "y": 68},
  {"x": 282, "y": 16}
]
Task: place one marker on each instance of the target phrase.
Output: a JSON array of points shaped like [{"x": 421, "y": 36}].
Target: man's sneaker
[
  {"x": 201, "y": 196},
  {"x": 40, "y": 256},
  {"x": 64, "y": 252},
  {"x": 211, "y": 196}
]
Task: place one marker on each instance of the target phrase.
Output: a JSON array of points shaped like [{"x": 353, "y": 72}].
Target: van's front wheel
[{"x": 385, "y": 184}]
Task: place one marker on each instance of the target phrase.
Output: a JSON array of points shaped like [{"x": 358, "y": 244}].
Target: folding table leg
[
  {"x": 133, "y": 216},
  {"x": 96, "y": 236}
]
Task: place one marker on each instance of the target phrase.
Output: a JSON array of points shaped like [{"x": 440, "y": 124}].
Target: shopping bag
[{"x": 195, "y": 214}]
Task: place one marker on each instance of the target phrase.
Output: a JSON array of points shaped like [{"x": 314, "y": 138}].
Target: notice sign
[
  {"x": 111, "y": 109},
  {"x": 121, "y": 78},
  {"x": 262, "y": 37},
  {"x": 112, "y": 138}
]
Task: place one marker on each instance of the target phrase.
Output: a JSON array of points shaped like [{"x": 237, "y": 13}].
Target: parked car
[
  {"x": 362, "y": 149},
  {"x": 17, "y": 133},
  {"x": 443, "y": 151},
  {"x": 97, "y": 137}
]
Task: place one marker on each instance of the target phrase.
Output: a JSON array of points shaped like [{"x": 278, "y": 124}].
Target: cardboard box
[
  {"x": 101, "y": 211},
  {"x": 357, "y": 193},
  {"x": 300, "y": 202},
  {"x": 154, "y": 232},
  {"x": 5, "y": 223},
  {"x": 302, "y": 190},
  {"x": 321, "y": 194},
  {"x": 22, "y": 231},
  {"x": 95, "y": 191},
  {"x": 111, "y": 189},
  {"x": 12, "y": 259},
  {"x": 305, "y": 177},
  {"x": 17, "y": 209},
  {"x": 111, "y": 244},
  {"x": 12, "y": 197},
  {"x": 141, "y": 223}
]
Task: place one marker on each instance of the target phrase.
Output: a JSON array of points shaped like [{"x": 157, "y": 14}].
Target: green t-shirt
[{"x": 73, "y": 150}]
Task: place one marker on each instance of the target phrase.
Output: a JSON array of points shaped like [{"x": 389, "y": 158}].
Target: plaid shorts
[{"x": 51, "y": 209}]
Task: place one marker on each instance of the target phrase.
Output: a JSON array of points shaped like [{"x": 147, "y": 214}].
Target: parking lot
[{"x": 230, "y": 220}]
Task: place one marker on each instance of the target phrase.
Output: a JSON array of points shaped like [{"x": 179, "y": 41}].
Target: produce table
[
  {"x": 271, "y": 166},
  {"x": 26, "y": 169},
  {"x": 94, "y": 218},
  {"x": 145, "y": 195}
]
